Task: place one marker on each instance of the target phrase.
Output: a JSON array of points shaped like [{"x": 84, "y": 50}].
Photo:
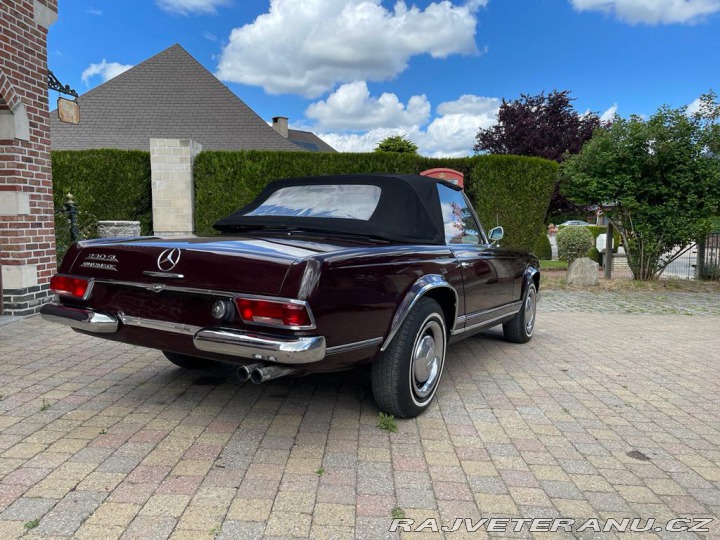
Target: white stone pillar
[{"x": 173, "y": 192}]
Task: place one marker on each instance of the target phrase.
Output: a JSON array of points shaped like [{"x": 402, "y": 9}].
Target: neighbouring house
[
  {"x": 171, "y": 95},
  {"x": 306, "y": 140}
]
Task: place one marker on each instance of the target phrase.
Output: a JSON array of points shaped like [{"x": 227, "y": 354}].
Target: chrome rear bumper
[
  {"x": 82, "y": 319},
  {"x": 231, "y": 342},
  {"x": 304, "y": 350}
]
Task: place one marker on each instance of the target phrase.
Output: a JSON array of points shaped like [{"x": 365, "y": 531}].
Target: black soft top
[{"x": 408, "y": 209}]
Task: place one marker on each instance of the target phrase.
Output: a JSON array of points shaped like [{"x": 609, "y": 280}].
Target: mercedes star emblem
[{"x": 168, "y": 259}]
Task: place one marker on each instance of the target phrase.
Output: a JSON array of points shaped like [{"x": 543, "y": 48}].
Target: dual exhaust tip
[{"x": 260, "y": 373}]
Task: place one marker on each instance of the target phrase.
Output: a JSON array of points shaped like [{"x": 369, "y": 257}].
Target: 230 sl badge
[
  {"x": 101, "y": 261},
  {"x": 104, "y": 257}
]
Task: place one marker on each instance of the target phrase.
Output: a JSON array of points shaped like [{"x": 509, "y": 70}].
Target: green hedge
[
  {"x": 514, "y": 192},
  {"x": 115, "y": 185},
  {"x": 106, "y": 185},
  {"x": 226, "y": 181},
  {"x": 543, "y": 248},
  {"x": 516, "y": 188}
]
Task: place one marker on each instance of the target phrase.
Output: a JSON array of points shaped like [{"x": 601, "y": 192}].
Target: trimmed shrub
[
  {"x": 515, "y": 192},
  {"x": 226, "y": 181},
  {"x": 543, "y": 249},
  {"x": 115, "y": 184},
  {"x": 574, "y": 243},
  {"x": 106, "y": 185},
  {"x": 515, "y": 188},
  {"x": 596, "y": 231}
]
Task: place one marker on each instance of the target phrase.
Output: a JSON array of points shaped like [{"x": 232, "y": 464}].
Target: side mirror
[{"x": 496, "y": 234}]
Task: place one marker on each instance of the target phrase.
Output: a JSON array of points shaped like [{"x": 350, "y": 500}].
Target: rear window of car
[{"x": 353, "y": 201}]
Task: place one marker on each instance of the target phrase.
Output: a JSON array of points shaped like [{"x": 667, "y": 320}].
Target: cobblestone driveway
[{"x": 103, "y": 440}]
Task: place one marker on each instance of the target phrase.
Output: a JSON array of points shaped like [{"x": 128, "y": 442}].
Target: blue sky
[{"x": 355, "y": 71}]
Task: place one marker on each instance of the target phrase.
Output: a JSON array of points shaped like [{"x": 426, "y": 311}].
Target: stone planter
[{"x": 118, "y": 229}]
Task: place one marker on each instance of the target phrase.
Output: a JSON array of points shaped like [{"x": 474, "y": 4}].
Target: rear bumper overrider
[{"x": 226, "y": 341}]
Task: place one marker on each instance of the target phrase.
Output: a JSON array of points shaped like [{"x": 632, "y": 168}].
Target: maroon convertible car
[{"x": 317, "y": 274}]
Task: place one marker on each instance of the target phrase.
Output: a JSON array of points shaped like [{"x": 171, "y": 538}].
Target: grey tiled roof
[
  {"x": 307, "y": 140},
  {"x": 167, "y": 96}
]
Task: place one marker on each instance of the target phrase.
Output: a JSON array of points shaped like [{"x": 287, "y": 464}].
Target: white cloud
[
  {"x": 469, "y": 104},
  {"x": 106, "y": 70},
  {"x": 191, "y": 7},
  {"x": 694, "y": 107},
  {"x": 309, "y": 46},
  {"x": 652, "y": 11},
  {"x": 451, "y": 133},
  {"x": 352, "y": 107},
  {"x": 209, "y": 36},
  {"x": 609, "y": 114},
  {"x": 94, "y": 11}
]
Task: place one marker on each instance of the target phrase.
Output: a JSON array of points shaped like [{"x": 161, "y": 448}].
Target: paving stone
[
  {"x": 132, "y": 448},
  {"x": 232, "y": 530},
  {"x": 27, "y": 509},
  {"x": 150, "y": 528},
  {"x": 59, "y": 524}
]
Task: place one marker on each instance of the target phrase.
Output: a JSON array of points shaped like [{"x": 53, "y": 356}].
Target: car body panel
[{"x": 161, "y": 293}]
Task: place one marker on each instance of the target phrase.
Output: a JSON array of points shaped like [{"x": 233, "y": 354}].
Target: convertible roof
[{"x": 408, "y": 209}]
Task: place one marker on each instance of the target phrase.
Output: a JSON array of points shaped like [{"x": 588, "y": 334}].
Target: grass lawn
[
  {"x": 553, "y": 265},
  {"x": 556, "y": 281}
]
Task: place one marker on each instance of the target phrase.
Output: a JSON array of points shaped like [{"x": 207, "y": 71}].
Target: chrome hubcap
[
  {"x": 427, "y": 359},
  {"x": 530, "y": 312}
]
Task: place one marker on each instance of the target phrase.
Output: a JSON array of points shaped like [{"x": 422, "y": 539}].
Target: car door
[{"x": 488, "y": 272}]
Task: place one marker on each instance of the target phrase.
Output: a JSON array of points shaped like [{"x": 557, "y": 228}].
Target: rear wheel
[
  {"x": 520, "y": 328},
  {"x": 406, "y": 375},
  {"x": 189, "y": 362}
]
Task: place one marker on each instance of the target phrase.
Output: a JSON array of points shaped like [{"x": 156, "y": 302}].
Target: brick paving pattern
[{"x": 102, "y": 440}]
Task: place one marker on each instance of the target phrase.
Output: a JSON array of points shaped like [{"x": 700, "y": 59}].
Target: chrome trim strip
[
  {"x": 81, "y": 319},
  {"x": 418, "y": 289},
  {"x": 299, "y": 350},
  {"x": 486, "y": 312},
  {"x": 174, "y": 288},
  {"x": 337, "y": 349},
  {"x": 163, "y": 326},
  {"x": 166, "y": 275},
  {"x": 508, "y": 309}
]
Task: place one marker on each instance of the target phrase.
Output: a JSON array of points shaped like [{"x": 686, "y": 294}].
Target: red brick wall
[{"x": 25, "y": 164}]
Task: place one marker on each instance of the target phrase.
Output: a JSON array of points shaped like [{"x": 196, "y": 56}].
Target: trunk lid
[{"x": 236, "y": 264}]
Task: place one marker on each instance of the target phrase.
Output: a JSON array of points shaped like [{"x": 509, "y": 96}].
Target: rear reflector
[
  {"x": 69, "y": 286},
  {"x": 271, "y": 313}
]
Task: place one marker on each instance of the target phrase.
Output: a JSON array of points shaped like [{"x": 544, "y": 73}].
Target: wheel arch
[
  {"x": 532, "y": 275},
  {"x": 431, "y": 286}
]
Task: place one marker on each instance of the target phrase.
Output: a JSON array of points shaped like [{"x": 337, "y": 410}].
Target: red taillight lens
[
  {"x": 273, "y": 313},
  {"x": 69, "y": 286}
]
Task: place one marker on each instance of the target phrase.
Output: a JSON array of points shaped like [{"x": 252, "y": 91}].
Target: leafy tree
[
  {"x": 657, "y": 180},
  {"x": 398, "y": 144},
  {"x": 544, "y": 126}
]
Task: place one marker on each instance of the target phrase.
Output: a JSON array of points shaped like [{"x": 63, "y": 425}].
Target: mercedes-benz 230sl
[{"x": 317, "y": 274}]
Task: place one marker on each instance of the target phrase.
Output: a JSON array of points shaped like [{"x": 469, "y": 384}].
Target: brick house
[{"x": 27, "y": 235}]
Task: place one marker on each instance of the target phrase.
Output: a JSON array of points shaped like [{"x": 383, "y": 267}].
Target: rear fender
[
  {"x": 424, "y": 286},
  {"x": 531, "y": 275}
]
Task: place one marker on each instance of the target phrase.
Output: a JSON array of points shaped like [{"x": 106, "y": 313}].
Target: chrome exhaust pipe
[
  {"x": 243, "y": 372},
  {"x": 267, "y": 373}
]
